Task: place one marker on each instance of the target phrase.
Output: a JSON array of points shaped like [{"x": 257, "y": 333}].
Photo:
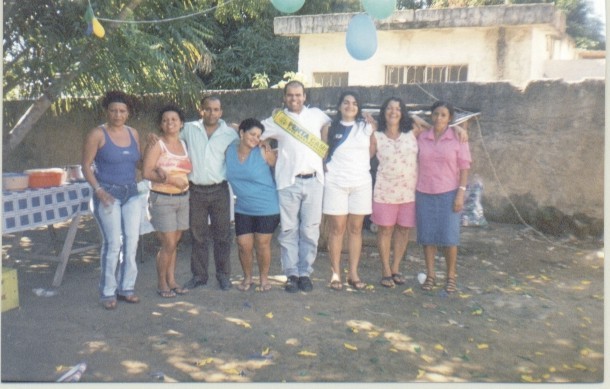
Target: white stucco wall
[{"x": 515, "y": 54}]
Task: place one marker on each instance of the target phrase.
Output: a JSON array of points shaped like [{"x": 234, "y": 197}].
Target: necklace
[{"x": 241, "y": 156}]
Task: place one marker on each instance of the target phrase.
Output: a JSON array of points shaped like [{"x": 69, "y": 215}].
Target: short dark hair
[
  {"x": 441, "y": 103},
  {"x": 116, "y": 96},
  {"x": 248, "y": 124},
  {"x": 170, "y": 108},
  {"x": 292, "y": 83},
  {"x": 209, "y": 97}
]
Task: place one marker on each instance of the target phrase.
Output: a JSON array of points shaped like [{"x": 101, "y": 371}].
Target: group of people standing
[{"x": 320, "y": 166}]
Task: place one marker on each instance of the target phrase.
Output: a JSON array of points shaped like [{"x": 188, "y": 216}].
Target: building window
[
  {"x": 396, "y": 75},
  {"x": 330, "y": 79}
]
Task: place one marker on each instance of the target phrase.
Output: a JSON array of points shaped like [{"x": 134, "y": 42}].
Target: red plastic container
[{"x": 44, "y": 178}]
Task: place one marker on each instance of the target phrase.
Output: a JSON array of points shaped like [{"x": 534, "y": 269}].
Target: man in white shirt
[{"x": 299, "y": 176}]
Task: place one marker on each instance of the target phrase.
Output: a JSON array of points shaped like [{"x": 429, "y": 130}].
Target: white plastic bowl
[{"x": 14, "y": 181}]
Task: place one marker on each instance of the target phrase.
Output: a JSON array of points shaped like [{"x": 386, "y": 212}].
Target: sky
[{"x": 599, "y": 8}]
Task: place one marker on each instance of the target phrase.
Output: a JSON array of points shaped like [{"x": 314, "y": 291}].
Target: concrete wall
[{"x": 540, "y": 149}]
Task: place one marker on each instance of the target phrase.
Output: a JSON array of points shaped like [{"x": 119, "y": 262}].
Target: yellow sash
[{"x": 299, "y": 132}]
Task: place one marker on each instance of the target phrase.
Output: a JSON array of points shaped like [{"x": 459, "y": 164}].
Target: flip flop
[
  {"x": 265, "y": 287},
  {"x": 179, "y": 291},
  {"x": 388, "y": 282},
  {"x": 336, "y": 285},
  {"x": 244, "y": 287},
  {"x": 166, "y": 294},
  {"x": 109, "y": 305},
  {"x": 356, "y": 284},
  {"x": 398, "y": 278}
]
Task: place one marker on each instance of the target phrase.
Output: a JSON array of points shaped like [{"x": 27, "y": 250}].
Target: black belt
[
  {"x": 305, "y": 176},
  {"x": 208, "y": 186},
  {"x": 171, "y": 194}
]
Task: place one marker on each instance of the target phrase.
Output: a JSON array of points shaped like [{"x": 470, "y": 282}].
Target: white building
[{"x": 515, "y": 43}]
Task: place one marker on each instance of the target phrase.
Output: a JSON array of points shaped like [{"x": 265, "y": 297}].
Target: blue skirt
[{"x": 437, "y": 224}]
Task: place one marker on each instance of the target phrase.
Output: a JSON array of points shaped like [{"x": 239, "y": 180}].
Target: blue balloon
[
  {"x": 361, "y": 37},
  {"x": 288, "y": 6},
  {"x": 379, "y": 9}
]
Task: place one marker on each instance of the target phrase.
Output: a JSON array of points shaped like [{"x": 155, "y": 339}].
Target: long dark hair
[
  {"x": 406, "y": 123},
  {"x": 335, "y": 125}
]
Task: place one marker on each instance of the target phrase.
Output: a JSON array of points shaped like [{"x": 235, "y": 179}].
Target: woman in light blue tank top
[
  {"x": 257, "y": 212},
  {"x": 111, "y": 154}
]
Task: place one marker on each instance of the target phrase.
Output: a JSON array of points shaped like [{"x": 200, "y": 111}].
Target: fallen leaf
[
  {"x": 269, "y": 315},
  {"x": 579, "y": 366},
  {"x": 427, "y": 358},
  {"x": 539, "y": 353},
  {"x": 477, "y": 311},
  {"x": 529, "y": 378},
  {"x": 552, "y": 369},
  {"x": 231, "y": 371},
  {"x": 373, "y": 334},
  {"x": 464, "y": 296},
  {"x": 585, "y": 351},
  {"x": 393, "y": 350},
  {"x": 420, "y": 373},
  {"x": 370, "y": 287},
  {"x": 306, "y": 318},
  {"x": 439, "y": 347},
  {"x": 305, "y": 353},
  {"x": 350, "y": 347},
  {"x": 265, "y": 351},
  {"x": 204, "y": 362},
  {"x": 239, "y": 322},
  {"x": 585, "y": 282},
  {"x": 482, "y": 346}
]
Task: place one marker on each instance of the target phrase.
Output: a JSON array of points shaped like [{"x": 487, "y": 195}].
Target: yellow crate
[{"x": 10, "y": 289}]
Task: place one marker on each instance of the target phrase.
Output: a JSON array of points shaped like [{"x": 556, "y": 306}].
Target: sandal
[
  {"x": 429, "y": 283},
  {"x": 388, "y": 282},
  {"x": 356, "y": 284},
  {"x": 179, "y": 291},
  {"x": 109, "y": 304},
  {"x": 451, "y": 285},
  {"x": 131, "y": 299},
  {"x": 336, "y": 285},
  {"x": 244, "y": 287},
  {"x": 398, "y": 278},
  {"x": 166, "y": 294},
  {"x": 265, "y": 287}
]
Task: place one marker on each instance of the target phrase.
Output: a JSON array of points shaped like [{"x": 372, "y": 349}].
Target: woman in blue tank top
[
  {"x": 257, "y": 212},
  {"x": 111, "y": 154}
]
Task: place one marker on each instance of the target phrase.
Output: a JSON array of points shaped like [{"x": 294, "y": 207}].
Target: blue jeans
[
  {"x": 300, "y": 214},
  {"x": 120, "y": 227}
]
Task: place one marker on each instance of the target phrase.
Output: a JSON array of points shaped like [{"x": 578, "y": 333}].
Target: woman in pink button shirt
[{"x": 443, "y": 173}]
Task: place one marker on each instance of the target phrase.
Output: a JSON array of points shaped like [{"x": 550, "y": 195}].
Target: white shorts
[{"x": 355, "y": 200}]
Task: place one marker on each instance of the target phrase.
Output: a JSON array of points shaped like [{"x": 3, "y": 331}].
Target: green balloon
[
  {"x": 89, "y": 14},
  {"x": 379, "y": 9},
  {"x": 288, "y": 6}
]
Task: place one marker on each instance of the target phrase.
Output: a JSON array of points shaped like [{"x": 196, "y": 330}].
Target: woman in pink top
[
  {"x": 444, "y": 162},
  {"x": 166, "y": 165}
]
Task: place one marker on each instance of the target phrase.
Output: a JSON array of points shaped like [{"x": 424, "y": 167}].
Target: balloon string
[
  {"x": 497, "y": 178},
  {"x": 162, "y": 20}
]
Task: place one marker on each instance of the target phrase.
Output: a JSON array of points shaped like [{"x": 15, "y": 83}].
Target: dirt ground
[{"x": 529, "y": 310}]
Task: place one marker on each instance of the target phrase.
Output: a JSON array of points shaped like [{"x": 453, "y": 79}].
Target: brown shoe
[{"x": 132, "y": 299}]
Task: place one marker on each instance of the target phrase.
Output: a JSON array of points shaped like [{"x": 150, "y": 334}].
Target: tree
[{"x": 48, "y": 55}]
